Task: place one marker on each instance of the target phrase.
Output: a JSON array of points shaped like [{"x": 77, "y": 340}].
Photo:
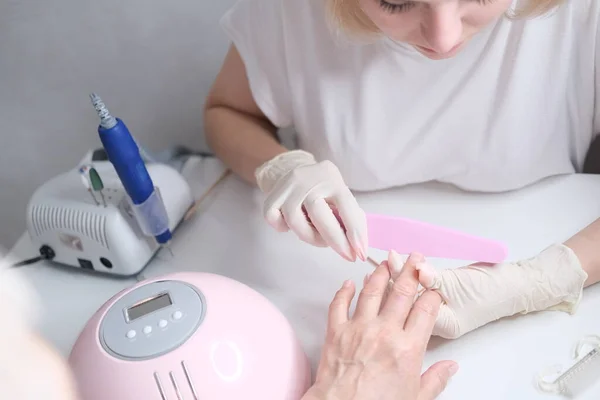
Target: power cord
[{"x": 46, "y": 253}]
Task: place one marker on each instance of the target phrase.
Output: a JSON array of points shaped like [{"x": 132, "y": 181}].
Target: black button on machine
[
  {"x": 106, "y": 262},
  {"x": 85, "y": 264}
]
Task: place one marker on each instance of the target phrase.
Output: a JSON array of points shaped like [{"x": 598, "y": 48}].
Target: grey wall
[{"x": 151, "y": 61}]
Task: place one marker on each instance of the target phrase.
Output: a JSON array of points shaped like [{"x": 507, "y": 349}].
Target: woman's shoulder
[
  {"x": 573, "y": 21},
  {"x": 582, "y": 12}
]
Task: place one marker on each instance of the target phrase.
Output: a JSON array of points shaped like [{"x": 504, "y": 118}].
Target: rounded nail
[
  {"x": 358, "y": 245},
  {"x": 453, "y": 369},
  {"x": 394, "y": 263},
  {"x": 427, "y": 275},
  {"x": 416, "y": 257}
]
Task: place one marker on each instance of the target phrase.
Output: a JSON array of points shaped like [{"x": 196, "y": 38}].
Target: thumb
[
  {"x": 435, "y": 379},
  {"x": 446, "y": 324}
]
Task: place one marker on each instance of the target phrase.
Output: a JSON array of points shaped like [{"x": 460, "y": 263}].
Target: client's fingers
[
  {"x": 389, "y": 285},
  {"x": 340, "y": 305},
  {"x": 402, "y": 293},
  {"x": 370, "y": 297},
  {"x": 446, "y": 324},
  {"x": 428, "y": 276}
]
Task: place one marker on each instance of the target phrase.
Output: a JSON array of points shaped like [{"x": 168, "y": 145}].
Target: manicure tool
[
  {"x": 405, "y": 236},
  {"x": 124, "y": 154}
]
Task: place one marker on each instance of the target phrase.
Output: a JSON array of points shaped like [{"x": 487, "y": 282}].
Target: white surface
[{"x": 228, "y": 236}]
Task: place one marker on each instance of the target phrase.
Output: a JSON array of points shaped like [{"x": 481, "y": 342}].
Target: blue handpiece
[{"x": 124, "y": 154}]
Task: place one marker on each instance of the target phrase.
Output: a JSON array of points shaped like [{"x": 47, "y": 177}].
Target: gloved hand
[
  {"x": 476, "y": 295},
  {"x": 311, "y": 199}
]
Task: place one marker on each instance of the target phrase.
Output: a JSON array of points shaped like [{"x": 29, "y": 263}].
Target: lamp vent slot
[
  {"x": 159, "y": 385},
  {"x": 188, "y": 378}
]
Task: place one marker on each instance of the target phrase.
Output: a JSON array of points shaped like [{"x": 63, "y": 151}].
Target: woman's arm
[
  {"x": 236, "y": 130},
  {"x": 586, "y": 245}
]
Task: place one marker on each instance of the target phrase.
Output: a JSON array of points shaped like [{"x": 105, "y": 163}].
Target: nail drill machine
[{"x": 109, "y": 216}]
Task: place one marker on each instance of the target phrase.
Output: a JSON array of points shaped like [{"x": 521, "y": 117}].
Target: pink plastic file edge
[{"x": 406, "y": 236}]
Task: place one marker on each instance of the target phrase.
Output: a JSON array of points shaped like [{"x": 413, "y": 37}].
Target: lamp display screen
[{"x": 148, "y": 306}]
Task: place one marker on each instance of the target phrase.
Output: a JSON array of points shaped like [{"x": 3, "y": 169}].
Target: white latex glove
[
  {"x": 311, "y": 199},
  {"x": 476, "y": 295},
  {"x": 29, "y": 368}
]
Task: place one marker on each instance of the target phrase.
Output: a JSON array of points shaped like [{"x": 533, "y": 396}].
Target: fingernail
[
  {"x": 395, "y": 264},
  {"x": 365, "y": 244},
  {"x": 453, "y": 369},
  {"x": 358, "y": 246},
  {"x": 361, "y": 254},
  {"x": 345, "y": 255},
  {"x": 351, "y": 257},
  {"x": 427, "y": 275},
  {"x": 347, "y": 283},
  {"x": 416, "y": 258}
]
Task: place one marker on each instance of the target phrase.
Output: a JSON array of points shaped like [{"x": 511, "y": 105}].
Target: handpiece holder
[{"x": 151, "y": 215}]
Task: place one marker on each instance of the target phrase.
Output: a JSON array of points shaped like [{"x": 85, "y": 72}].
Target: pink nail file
[{"x": 406, "y": 236}]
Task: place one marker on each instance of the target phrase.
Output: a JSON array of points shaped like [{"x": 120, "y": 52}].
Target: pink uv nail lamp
[{"x": 189, "y": 336}]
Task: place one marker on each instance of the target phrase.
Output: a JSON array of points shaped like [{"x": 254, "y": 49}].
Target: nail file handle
[{"x": 406, "y": 236}]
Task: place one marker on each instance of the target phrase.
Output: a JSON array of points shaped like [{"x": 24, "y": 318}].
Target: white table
[{"x": 228, "y": 236}]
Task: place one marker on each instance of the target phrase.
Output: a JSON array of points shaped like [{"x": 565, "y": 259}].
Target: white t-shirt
[{"x": 518, "y": 104}]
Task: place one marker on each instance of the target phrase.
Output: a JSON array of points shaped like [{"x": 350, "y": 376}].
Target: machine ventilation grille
[{"x": 45, "y": 218}]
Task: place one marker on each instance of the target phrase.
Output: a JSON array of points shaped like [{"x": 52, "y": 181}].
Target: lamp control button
[
  {"x": 147, "y": 330},
  {"x": 162, "y": 323},
  {"x": 177, "y": 315},
  {"x": 131, "y": 334}
]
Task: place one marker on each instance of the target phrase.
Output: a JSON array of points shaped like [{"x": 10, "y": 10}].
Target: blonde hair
[{"x": 347, "y": 16}]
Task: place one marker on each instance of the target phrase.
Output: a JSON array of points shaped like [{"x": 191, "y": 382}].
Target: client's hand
[
  {"x": 378, "y": 352},
  {"x": 476, "y": 295}
]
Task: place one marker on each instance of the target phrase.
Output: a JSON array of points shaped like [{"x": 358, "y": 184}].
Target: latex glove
[
  {"x": 311, "y": 199},
  {"x": 476, "y": 295},
  {"x": 377, "y": 354},
  {"x": 30, "y": 369}
]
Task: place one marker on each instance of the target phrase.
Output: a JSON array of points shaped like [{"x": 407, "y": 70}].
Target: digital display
[{"x": 148, "y": 306}]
